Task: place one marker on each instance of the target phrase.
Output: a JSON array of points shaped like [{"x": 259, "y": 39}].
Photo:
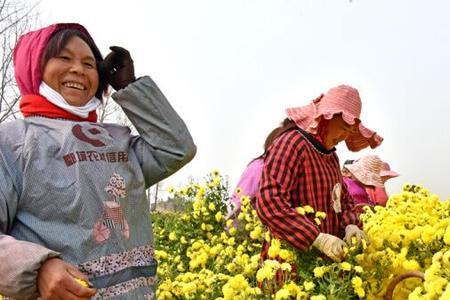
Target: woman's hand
[
  {"x": 118, "y": 68},
  {"x": 57, "y": 280},
  {"x": 331, "y": 246},
  {"x": 352, "y": 231}
]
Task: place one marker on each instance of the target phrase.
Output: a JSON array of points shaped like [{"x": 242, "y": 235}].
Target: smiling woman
[
  {"x": 71, "y": 47},
  {"x": 73, "y": 191},
  {"x": 73, "y": 72}
]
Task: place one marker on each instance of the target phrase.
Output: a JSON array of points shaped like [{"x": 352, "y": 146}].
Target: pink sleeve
[
  {"x": 350, "y": 185},
  {"x": 380, "y": 196},
  {"x": 248, "y": 184}
]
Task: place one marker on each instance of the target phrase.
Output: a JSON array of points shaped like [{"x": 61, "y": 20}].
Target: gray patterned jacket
[{"x": 77, "y": 190}]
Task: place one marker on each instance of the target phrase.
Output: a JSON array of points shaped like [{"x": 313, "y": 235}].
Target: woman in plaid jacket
[{"x": 301, "y": 168}]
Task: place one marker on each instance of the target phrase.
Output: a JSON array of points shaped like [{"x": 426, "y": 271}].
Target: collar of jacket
[{"x": 318, "y": 145}]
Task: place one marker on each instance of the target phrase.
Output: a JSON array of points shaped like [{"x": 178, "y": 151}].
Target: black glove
[{"x": 118, "y": 68}]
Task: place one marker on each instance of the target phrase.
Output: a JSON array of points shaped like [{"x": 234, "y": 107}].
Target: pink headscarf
[
  {"x": 28, "y": 54},
  {"x": 27, "y": 59},
  {"x": 343, "y": 100}
]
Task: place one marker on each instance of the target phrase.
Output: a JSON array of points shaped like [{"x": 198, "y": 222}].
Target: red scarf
[{"x": 36, "y": 105}]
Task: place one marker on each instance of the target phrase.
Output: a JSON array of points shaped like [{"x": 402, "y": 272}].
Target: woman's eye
[
  {"x": 63, "y": 57},
  {"x": 89, "y": 65}
]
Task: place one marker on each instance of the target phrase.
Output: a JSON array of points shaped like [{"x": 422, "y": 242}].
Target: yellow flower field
[{"x": 203, "y": 256}]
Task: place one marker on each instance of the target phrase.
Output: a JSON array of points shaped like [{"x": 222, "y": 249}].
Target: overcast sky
[{"x": 230, "y": 68}]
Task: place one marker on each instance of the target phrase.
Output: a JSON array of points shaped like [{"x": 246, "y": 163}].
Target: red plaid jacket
[{"x": 299, "y": 171}]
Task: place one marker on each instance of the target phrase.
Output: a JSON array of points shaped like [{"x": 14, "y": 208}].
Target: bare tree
[
  {"x": 154, "y": 195},
  {"x": 156, "y": 189},
  {"x": 109, "y": 110},
  {"x": 16, "y": 17}
]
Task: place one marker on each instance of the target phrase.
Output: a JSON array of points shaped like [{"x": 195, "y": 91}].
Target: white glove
[
  {"x": 354, "y": 231},
  {"x": 330, "y": 245}
]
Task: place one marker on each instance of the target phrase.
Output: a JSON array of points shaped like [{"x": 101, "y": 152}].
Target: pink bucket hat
[
  {"x": 343, "y": 100},
  {"x": 387, "y": 172},
  {"x": 367, "y": 170}
]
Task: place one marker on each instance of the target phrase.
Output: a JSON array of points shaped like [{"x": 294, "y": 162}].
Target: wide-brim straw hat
[
  {"x": 367, "y": 170},
  {"x": 342, "y": 100},
  {"x": 387, "y": 172}
]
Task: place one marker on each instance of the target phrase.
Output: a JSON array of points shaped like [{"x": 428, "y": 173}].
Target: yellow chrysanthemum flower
[
  {"x": 345, "y": 266},
  {"x": 172, "y": 236},
  {"x": 309, "y": 285},
  {"x": 319, "y": 271},
  {"x": 81, "y": 281},
  {"x": 282, "y": 294},
  {"x": 300, "y": 210}
]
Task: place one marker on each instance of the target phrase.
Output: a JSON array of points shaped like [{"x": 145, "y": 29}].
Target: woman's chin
[{"x": 75, "y": 101}]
